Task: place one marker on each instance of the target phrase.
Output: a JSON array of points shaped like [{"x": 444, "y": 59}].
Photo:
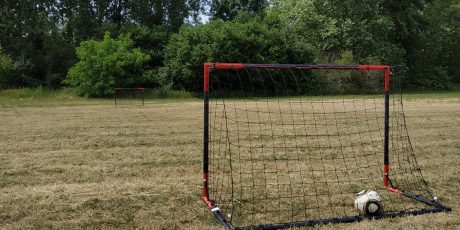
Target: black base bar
[
  {"x": 216, "y": 211},
  {"x": 422, "y": 199},
  {"x": 311, "y": 223}
]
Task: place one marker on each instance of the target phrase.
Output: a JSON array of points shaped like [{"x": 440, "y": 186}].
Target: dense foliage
[
  {"x": 229, "y": 9},
  {"x": 7, "y": 68},
  {"x": 344, "y": 31},
  {"x": 437, "y": 59},
  {"x": 247, "y": 40},
  {"x": 105, "y": 65},
  {"x": 39, "y": 39}
]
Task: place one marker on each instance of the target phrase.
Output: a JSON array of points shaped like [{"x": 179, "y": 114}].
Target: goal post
[
  {"x": 128, "y": 94},
  {"x": 291, "y": 145}
]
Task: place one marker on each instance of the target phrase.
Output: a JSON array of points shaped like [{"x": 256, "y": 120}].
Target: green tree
[
  {"x": 260, "y": 39},
  {"x": 41, "y": 36},
  {"x": 170, "y": 14},
  {"x": 229, "y": 9},
  {"x": 335, "y": 29},
  {"x": 149, "y": 13},
  {"x": 407, "y": 22},
  {"x": 151, "y": 40},
  {"x": 106, "y": 64},
  {"x": 29, "y": 34},
  {"x": 7, "y": 68},
  {"x": 437, "y": 57}
]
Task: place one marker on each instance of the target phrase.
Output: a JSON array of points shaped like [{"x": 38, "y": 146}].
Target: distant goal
[
  {"x": 129, "y": 96},
  {"x": 291, "y": 145}
]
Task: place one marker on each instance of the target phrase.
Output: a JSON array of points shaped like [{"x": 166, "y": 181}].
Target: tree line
[{"x": 95, "y": 45}]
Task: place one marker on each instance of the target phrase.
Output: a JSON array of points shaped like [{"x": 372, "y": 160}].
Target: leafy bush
[
  {"x": 334, "y": 28},
  {"x": 7, "y": 68},
  {"x": 436, "y": 61},
  {"x": 260, "y": 39},
  {"x": 104, "y": 65}
]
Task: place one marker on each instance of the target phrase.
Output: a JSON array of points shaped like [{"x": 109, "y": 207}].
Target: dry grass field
[{"x": 92, "y": 165}]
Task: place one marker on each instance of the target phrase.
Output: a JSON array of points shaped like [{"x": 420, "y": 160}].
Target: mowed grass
[{"x": 88, "y": 164}]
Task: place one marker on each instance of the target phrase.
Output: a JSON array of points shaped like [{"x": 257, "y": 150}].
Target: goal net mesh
[{"x": 291, "y": 144}]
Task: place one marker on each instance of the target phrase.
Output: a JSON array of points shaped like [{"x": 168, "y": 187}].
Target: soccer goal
[
  {"x": 292, "y": 145},
  {"x": 129, "y": 96}
]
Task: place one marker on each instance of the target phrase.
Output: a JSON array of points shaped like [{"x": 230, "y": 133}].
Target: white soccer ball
[{"x": 368, "y": 203}]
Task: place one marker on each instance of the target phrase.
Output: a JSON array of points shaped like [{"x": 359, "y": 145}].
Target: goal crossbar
[{"x": 434, "y": 205}]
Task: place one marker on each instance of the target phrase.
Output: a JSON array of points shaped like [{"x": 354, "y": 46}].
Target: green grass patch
[
  {"x": 37, "y": 93},
  {"x": 168, "y": 94},
  {"x": 432, "y": 95},
  {"x": 44, "y": 97},
  {"x": 41, "y": 96}
]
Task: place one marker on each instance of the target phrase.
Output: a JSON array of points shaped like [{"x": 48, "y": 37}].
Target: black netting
[{"x": 291, "y": 144}]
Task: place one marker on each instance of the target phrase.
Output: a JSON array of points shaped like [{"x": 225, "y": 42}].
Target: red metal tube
[
  {"x": 387, "y": 79},
  {"x": 205, "y": 191},
  {"x": 373, "y": 67},
  {"x": 386, "y": 180},
  {"x": 207, "y": 68},
  {"x": 227, "y": 65}
]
